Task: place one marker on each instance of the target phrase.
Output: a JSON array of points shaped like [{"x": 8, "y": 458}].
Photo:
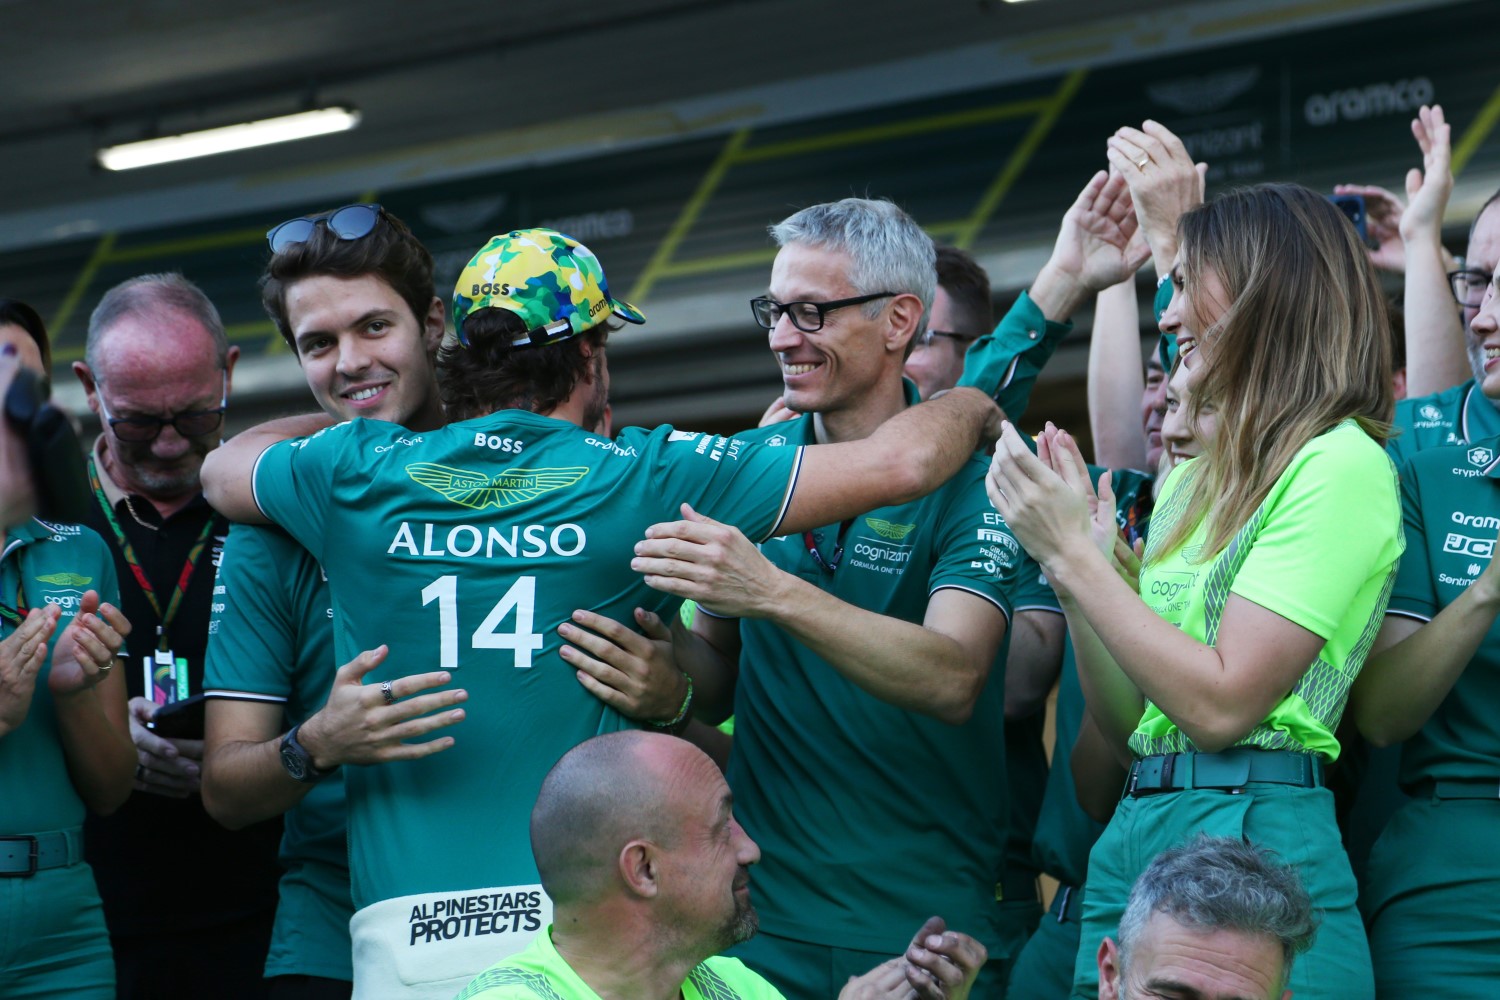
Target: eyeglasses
[
  {"x": 351, "y": 222},
  {"x": 189, "y": 424},
  {"x": 1469, "y": 285},
  {"x": 805, "y": 316},
  {"x": 928, "y": 335}
]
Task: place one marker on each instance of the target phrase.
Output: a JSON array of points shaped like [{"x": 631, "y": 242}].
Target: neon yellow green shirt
[
  {"x": 540, "y": 973},
  {"x": 1320, "y": 551}
]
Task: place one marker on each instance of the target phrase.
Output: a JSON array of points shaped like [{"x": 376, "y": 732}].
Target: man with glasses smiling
[
  {"x": 867, "y": 726},
  {"x": 1470, "y": 410},
  {"x": 187, "y": 902}
]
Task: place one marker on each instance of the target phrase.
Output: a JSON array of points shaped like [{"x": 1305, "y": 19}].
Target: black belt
[
  {"x": 26, "y": 854},
  {"x": 1227, "y": 770},
  {"x": 1466, "y": 788},
  {"x": 1067, "y": 904}
]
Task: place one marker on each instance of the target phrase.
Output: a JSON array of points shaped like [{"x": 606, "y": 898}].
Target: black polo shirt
[{"x": 163, "y": 864}]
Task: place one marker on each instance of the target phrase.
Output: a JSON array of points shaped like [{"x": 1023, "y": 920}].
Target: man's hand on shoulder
[
  {"x": 370, "y": 723},
  {"x": 711, "y": 563}
]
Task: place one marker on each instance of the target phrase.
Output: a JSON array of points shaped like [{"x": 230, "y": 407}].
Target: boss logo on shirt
[{"x": 495, "y": 442}]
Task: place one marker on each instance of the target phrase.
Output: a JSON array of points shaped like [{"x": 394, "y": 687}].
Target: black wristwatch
[{"x": 298, "y": 762}]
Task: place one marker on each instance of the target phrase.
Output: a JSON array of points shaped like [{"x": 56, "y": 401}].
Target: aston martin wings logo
[
  {"x": 479, "y": 490},
  {"x": 65, "y": 579},
  {"x": 886, "y": 529}
]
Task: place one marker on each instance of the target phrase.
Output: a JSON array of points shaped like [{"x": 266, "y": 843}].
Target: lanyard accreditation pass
[{"x": 166, "y": 674}]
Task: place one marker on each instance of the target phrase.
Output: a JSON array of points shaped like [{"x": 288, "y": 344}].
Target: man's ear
[
  {"x": 90, "y": 385},
  {"x": 229, "y": 360},
  {"x": 638, "y": 868},
  {"x": 1109, "y": 970},
  {"x": 904, "y": 313},
  {"x": 434, "y": 324}
]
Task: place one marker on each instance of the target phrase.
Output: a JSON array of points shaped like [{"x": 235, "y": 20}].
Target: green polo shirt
[
  {"x": 540, "y": 973},
  {"x": 44, "y": 563},
  {"x": 270, "y": 641},
  {"x": 464, "y": 549},
  {"x": 834, "y": 783},
  {"x": 1450, "y": 498},
  {"x": 1452, "y": 416},
  {"x": 1321, "y": 551}
]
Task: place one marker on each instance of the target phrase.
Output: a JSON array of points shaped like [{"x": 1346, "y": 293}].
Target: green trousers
[
  {"x": 1295, "y": 823},
  {"x": 1044, "y": 969},
  {"x": 52, "y": 937},
  {"x": 1432, "y": 898}
]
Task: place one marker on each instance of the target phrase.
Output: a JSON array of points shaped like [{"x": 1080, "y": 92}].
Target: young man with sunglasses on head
[
  {"x": 352, "y": 294},
  {"x": 478, "y": 542},
  {"x": 187, "y": 902}
]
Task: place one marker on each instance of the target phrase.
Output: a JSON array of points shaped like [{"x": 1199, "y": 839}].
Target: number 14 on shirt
[{"x": 522, "y": 641}]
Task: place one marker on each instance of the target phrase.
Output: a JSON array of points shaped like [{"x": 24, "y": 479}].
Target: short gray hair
[
  {"x": 888, "y": 250},
  {"x": 149, "y": 294},
  {"x": 1220, "y": 883}
]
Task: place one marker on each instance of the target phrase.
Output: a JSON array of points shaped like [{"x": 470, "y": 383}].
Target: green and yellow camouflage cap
[{"x": 553, "y": 282}]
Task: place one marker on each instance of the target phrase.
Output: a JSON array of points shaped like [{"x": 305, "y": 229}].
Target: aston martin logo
[
  {"x": 65, "y": 579},
  {"x": 886, "y": 529},
  {"x": 479, "y": 490}
]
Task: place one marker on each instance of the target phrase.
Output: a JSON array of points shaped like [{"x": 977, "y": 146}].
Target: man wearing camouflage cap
[{"x": 471, "y": 545}]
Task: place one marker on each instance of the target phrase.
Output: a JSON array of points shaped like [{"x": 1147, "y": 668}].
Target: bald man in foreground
[{"x": 649, "y": 875}]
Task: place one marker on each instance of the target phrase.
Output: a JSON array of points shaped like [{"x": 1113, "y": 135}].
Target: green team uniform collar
[{"x": 1453, "y": 416}]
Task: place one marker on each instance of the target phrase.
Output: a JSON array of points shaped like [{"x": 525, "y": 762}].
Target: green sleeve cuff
[{"x": 1004, "y": 363}]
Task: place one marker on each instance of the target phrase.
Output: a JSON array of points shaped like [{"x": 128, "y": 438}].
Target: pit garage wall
[{"x": 680, "y": 221}]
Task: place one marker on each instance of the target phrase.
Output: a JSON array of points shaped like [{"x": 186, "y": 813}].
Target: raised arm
[
  {"x": 1164, "y": 183},
  {"x": 1098, "y": 245},
  {"x": 1436, "y": 355},
  {"x": 229, "y": 470},
  {"x": 1115, "y": 383}
]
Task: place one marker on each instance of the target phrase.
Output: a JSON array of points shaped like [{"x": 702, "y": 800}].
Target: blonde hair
[{"x": 1304, "y": 344}]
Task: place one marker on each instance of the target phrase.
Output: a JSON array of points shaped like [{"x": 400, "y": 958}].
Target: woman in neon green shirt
[{"x": 1221, "y": 680}]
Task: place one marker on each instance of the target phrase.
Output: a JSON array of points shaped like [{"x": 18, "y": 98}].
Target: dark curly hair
[{"x": 491, "y": 374}]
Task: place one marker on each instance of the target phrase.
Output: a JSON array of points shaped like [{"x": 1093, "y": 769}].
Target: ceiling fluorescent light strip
[{"x": 227, "y": 139}]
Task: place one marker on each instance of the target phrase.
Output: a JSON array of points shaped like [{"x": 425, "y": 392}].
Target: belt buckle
[{"x": 31, "y": 856}]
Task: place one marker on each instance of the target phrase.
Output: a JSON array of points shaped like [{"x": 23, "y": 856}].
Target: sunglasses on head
[{"x": 351, "y": 222}]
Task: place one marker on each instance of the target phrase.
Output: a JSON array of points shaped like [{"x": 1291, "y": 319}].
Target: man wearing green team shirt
[
  {"x": 867, "y": 726},
  {"x": 361, "y": 315},
  {"x": 1433, "y": 685},
  {"x": 636, "y": 843},
  {"x": 1465, "y": 412},
  {"x": 467, "y": 547}
]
